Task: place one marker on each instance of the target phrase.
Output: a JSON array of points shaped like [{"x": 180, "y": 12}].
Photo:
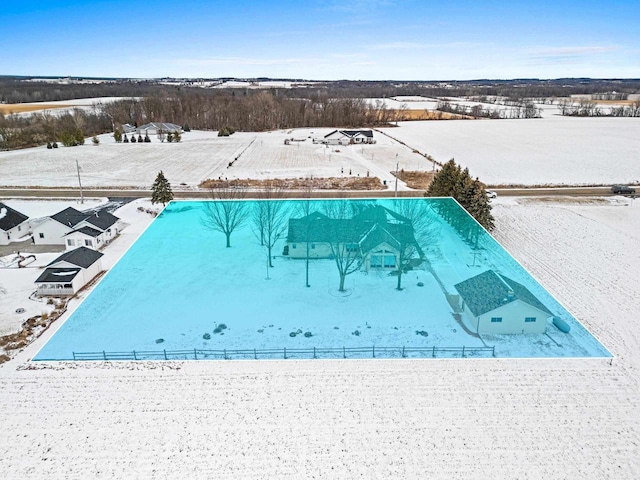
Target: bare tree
[
  {"x": 270, "y": 218},
  {"x": 417, "y": 230},
  {"x": 227, "y": 212},
  {"x": 304, "y": 210},
  {"x": 342, "y": 239}
]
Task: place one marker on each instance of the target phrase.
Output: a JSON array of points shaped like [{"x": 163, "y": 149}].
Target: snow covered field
[
  {"x": 546, "y": 151},
  {"x": 203, "y": 155},
  {"x": 439, "y": 419}
]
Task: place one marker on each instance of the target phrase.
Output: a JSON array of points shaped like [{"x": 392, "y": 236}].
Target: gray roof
[
  {"x": 91, "y": 232},
  {"x": 70, "y": 217},
  {"x": 10, "y": 218},
  {"x": 58, "y": 275},
  {"x": 372, "y": 226},
  {"x": 490, "y": 290},
  {"x": 82, "y": 257},
  {"x": 167, "y": 127},
  {"x": 352, "y": 133}
]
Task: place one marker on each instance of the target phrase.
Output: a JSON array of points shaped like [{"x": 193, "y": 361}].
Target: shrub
[
  {"x": 186, "y": 127},
  {"x": 147, "y": 139},
  {"x": 169, "y": 137},
  {"x": 160, "y": 340},
  {"x": 95, "y": 140},
  {"x": 292, "y": 334},
  {"x": 422, "y": 332},
  {"x": 125, "y": 139},
  {"x": 133, "y": 139},
  {"x": 206, "y": 336},
  {"x": 140, "y": 140},
  {"x": 54, "y": 144},
  {"x": 308, "y": 334},
  {"x": 49, "y": 146},
  {"x": 356, "y": 333},
  {"x": 220, "y": 328}
]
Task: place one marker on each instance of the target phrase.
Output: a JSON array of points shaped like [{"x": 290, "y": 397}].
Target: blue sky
[{"x": 324, "y": 39}]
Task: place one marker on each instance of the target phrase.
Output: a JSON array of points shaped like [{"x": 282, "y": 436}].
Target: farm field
[
  {"x": 489, "y": 418},
  {"x": 54, "y": 107},
  {"x": 547, "y": 151},
  {"x": 203, "y": 155}
]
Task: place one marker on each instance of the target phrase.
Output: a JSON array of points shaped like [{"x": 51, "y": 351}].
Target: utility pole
[{"x": 80, "y": 183}]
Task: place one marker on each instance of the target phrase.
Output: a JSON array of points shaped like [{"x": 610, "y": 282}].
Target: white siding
[
  {"x": 50, "y": 232},
  {"x": 513, "y": 316}
]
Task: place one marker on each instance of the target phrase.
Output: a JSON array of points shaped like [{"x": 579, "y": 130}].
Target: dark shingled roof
[
  {"x": 58, "y": 275},
  {"x": 352, "y": 133},
  {"x": 71, "y": 217},
  {"x": 92, "y": 232},
  {"x": 490, "y": 290},
  {"x": 82, "y": 256},
  {"x": 369, "y": 228},
  {"x": 11, "y": 218}
]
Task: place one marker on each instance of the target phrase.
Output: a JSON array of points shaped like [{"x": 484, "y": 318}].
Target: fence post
[
  {"x": 255, "y": 354},
  {"x": 225, "y": 354},
  {"x": 403, "y": 354},
  {"x": 433, "y": 353},
  {"x": 462, "y": 351},
  {"x": 104, "y": 355},
  {"x": 165, "y": 354},
  {"x": 134, "y": 355},
  {"x": 493, "y": 352},
  {"x": 195, "y": 354},
  {"x": 373, "y": 351},
  {"x": 74, "y": 355},
  {"x": 314, "y": 353},
  {"x": 285, "y": 353},
  {"x": 344, "y": 352}
]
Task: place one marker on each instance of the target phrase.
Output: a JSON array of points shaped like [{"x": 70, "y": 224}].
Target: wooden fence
[{"x": 298, "y": 353}]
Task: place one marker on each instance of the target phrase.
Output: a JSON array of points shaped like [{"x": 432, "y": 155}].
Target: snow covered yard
[
  {"x": 202, "y": 155},
  {"x": 440, "y": 419},
  {"x": 545, "y": 151}
]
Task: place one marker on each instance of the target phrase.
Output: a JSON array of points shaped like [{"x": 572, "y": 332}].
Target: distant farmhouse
[
  {"x": 73, "y": 228},
  {"x": 13, "y": 224},
  {"x": 377, "y": 235},
  {"x": 156, "y": 128},
  {"x": 68, "y": 273},
  {"x": 347, "y": 137},
  {"x": 494, "y": 304}
]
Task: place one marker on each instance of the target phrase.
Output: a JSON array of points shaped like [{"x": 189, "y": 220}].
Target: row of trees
[
  {"x": 471, "y": 194},
  {"x": 589, "y": 108},
  {"x": 514, "y": 110}
]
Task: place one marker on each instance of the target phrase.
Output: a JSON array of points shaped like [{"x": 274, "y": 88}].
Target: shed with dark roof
[
  {"x": 495, "y": 304},
  {"x": 13, "y": 224}
]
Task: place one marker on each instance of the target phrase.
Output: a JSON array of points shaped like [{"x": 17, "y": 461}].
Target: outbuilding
[
  {"x": 68, "y": 273},
  {"x": 494, "y": 304},
  {"x": 13, "y": 224}
]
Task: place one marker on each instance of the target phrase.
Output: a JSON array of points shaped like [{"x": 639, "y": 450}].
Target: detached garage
[{"x": 494, "y": 304}]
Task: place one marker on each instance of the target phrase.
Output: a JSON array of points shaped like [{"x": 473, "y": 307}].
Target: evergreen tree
[
  {"x": 117, "y": 135},
  {"x": 186, "y": 128},
  {"x": 169, "y": 137},
  {"x": 133, "y": 138},
  {"x": 126, "y": 139},
  {"x": 177, "y": 137},
  {"x": 452, "y": 181},
  {"x": 54, "y": 144},
  {"x": 49, "y": 146},
  {"x": 161, "y": 190},
  {"x": 95, "y": 140},
  {"x": 146, "y": 138},
  {"x": 140, "y": 138}
]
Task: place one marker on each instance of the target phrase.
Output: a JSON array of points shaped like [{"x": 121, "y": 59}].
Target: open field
[
  {"x": 204, "y": 155},
  {"x": 546, "y": 151},
  {"x": 442, "y": 419},
  {"x": 55, "y": 108},
  {"x": 9, "y": 108}
]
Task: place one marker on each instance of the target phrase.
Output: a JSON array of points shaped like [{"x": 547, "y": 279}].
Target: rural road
[{"x": 137, "y": 193}]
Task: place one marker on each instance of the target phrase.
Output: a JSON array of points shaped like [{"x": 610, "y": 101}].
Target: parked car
[
  {"x": 491, "y": 194},
  {"x": 622, "y": 190}
]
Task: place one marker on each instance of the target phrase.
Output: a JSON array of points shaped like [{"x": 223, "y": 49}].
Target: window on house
[
  {"x": 88, "y": 243},
  {"x": 98, "y": 240},
  {"x": 71, "y": 242},
  {"x": 352, "y": 247},
  {"x": 375, "y": 261},
  {"x": 41, "y": 235},
  {"x": 529, "y": 319},
  {"x": 313, "y": 245},
  {"x": 496, "y": 319},
  {"x": 293, "y": 245}
]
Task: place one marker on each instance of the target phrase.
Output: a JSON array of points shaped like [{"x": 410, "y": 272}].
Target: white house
[
  {"x": 68, "y": 273},
  {"x": 155, "y": 128},
  {"x": 346, "y": 137},
  {"x": 494, "y": 304},
  {"x": 13, "y": 224},
  {"x": 376, "y": 236},
  {"x": 73, "y": 228}
]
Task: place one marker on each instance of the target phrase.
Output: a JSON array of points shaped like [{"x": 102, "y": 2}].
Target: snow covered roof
[
  {"x": 167, "y": 127},
  {"x": 82, "y": 257},
  {"x": 10, "y": 218},
  {"x": 58, "y": 275},
  {"x": 352, "y": 133},
  {"x": 489, "y": 290}
]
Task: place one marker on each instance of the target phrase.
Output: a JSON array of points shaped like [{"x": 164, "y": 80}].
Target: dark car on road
[{"x": 622, "y": 190}]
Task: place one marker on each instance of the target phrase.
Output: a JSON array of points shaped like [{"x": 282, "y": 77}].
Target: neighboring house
[
  {"x": 155, "y": 128},
  {"x": 127, "y": 128},
  {"x": 494, "y": 304},
  {"x": 346, "y": 137},
  {"x": 73, "y": 228},
  {"x": 68, "y": 273},
  {"x": 13, "y": 224},
  {"x": 377, "y": 235}
]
